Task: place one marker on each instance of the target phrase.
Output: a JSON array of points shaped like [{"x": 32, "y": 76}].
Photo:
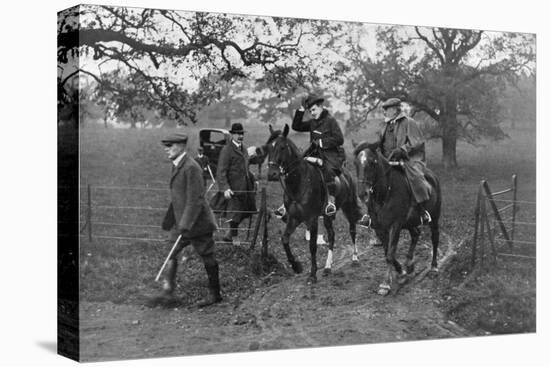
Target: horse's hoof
[
  {"x": 327, "y": 272},
  {"x": 297, "y": 267},
  {"x": 355, "y": 263}
]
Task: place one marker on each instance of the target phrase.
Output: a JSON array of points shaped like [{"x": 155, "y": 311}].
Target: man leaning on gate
[{"x": 236, "y": 198}]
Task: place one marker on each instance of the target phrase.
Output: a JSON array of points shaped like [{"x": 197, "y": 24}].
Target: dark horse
[
  {"x": 391, "y": 206},
  {"x": 305, "y": 198}
]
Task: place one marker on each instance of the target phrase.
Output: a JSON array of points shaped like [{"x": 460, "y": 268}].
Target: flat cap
[
  {"x": 312, "y": 99},
  {"x": 391, "y": 102},
  {"x": 175, "y": 138}
]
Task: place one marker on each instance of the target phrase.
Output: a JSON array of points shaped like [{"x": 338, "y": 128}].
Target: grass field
[{"x": 119, "y": 164}]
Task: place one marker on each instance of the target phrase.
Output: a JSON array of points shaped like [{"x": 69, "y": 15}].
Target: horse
[
  {"x": 382, "y": 184},
  {"x": 305, "y": 198}
]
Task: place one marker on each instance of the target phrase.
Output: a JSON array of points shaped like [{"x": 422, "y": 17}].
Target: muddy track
[{"x": 340, "y": 309}]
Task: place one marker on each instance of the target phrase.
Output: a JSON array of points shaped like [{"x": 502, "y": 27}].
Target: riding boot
[
  {"x": 425, "y": 216},
  {"x": 214, "y": 296},
  {"x": 169, "y": 281},
  {"x": 231, "y": 232}
]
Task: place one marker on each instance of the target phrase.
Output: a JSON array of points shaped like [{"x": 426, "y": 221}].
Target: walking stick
[
  {"x": 167, "y": 258},
  {"x": 213, "y": 179}
]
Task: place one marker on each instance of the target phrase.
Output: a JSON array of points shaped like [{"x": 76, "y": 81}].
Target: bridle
[
  {"x": 285, "y": 171},
  {"x": 289, "y": 168}
]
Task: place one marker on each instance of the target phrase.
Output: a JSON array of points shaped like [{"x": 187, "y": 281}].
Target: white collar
[
  {"x": 177, "y": 161},
  {"x": 237, "y": 144}
]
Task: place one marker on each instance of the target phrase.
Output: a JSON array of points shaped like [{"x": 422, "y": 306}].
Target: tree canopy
[{"x": 172, "y": 51}]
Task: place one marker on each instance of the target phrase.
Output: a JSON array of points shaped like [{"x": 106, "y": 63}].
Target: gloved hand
[
  {"x": 228, "y": 193},
  {"x": 398, "y": 155}
]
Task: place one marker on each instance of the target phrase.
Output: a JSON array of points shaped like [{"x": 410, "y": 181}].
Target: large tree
[
  {"x": 454, "y": 76},
  {"x": 173, "y": 51}
]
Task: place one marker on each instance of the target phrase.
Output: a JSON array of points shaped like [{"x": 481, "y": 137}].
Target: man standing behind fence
[
  {"x": 189, "y": 216},
  {"x": 204, "y": 162},
  {"x": 236, "y": 197}
]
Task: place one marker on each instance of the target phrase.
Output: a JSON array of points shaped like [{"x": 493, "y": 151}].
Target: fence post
[
  {"x": 89, "y": 212},
  {"x": 265, "y": 219},
  {"x": 261, "y": 213},
  {"x": 515, "y": 192},
  {"x": 483, "y": 214},
  {"x": 476, "y": 214}
]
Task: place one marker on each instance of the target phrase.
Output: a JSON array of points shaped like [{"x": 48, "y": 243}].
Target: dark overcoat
[
  {"x": 204, "y": 163},
  {"x": 233, "y": 173},
  {"x": 189, "y": 213},
  {"x": 326, "y": 132}
]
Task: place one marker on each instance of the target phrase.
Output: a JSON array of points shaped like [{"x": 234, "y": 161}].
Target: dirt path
[{"x": 340, "y": 309}]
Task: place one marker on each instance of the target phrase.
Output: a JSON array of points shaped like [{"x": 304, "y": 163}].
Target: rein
[{"x": 285, "y": 172}]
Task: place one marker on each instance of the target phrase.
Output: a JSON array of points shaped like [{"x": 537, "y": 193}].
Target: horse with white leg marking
[
  {"x": 391, "y": 206},
  {"x": 305, "y": 198}
]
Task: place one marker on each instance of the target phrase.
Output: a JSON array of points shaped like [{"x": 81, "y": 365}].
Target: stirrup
[
  {"x": 365, "y": 221},
  {"x": 425, "y": 218},
  {"x": 330, "y": 209},
  {"x": 280, "y": 212}
]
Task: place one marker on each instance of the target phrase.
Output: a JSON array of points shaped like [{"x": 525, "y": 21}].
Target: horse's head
[
  {"x": 272, "y": 170},
  {"x": 282, "y": 153},
  {"x": 366, "y": 161}
]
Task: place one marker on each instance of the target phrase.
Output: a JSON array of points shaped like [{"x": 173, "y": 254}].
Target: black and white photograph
[{"x": 249, "y": 184}]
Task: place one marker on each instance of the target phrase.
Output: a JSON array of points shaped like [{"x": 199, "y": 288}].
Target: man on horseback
[
  {"x": 326, "y": 149},
  {"x": 402, "y": 140}
]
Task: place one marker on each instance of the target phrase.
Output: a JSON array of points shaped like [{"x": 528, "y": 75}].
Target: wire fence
[{"x": 101, "y": 213}]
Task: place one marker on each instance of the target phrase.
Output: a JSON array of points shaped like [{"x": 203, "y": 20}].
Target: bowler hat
[
  {"x": 175, "y": 138},
  {"x": 237, "y": 128},
  {"x": 311, "y": 100},
  {"x": 391, "y": 102}
]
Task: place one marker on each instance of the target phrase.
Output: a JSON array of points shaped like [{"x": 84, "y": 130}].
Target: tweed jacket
[
  {"x": 189, "y": 213},
  {"x": 403, "y": 132}
]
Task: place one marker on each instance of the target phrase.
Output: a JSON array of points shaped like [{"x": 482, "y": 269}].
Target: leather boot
[
  {"x": 214, "y": 296},
  {"x": 169, "y": 281},
  {"x": 230, "y": 233},
  {"x": 166, "y": 297}
]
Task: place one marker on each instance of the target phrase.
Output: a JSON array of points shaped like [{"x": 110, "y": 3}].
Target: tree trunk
[
  {"x": 449, "y": 133},
  {"x": 449, "y": 149}
]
